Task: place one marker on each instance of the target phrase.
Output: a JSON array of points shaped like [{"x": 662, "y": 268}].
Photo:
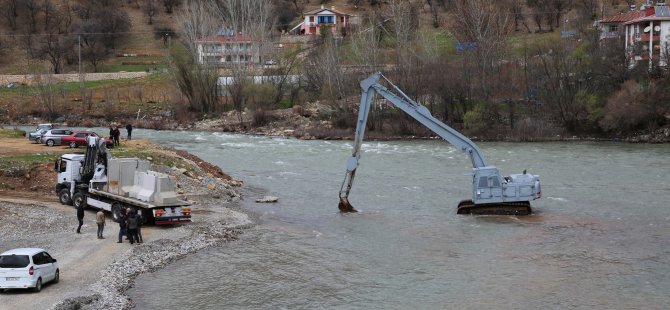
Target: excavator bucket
[
  {"x": 504, "y": 208},
  {"x": 345, "y": 206}
]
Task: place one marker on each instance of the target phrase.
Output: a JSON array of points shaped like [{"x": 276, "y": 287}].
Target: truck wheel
[
  {"x": 73, "y": 144},
  {"x": 116, "y": 209},
  {"x": 78, "y": 200},
  {"x": 50, "y": 142},
  {"x": 64, "y": 196}
]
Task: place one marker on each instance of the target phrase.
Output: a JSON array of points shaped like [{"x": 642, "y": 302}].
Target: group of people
[
  {"x": 130, "y": 224},
  {"x": 115, "y": 133}
]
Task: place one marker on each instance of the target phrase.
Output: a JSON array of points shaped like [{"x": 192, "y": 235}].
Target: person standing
[
  {"x": 117, "y": 135},
  {"x": 111, "y": 132},
  {"x": 80, "y": 217},
  {"x": 100, "y": 220},
  {"x": 122, "y": 224},
  {"x": 129, "y": 128},
  {"x": 140, "y": 222},
  {"x": 133, "y": 221}
]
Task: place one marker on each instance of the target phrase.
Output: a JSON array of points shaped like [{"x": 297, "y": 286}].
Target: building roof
[
  {"x": 332, "y": 9},
  {"x": 625, "y": 17},
  {"x": 660, "y": 12}
]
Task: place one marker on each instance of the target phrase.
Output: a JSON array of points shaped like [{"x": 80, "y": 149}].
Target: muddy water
[{"x": 599, "y": 237}]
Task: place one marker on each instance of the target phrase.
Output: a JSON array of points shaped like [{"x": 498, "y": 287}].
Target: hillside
[{"x": 146, "y": 47}]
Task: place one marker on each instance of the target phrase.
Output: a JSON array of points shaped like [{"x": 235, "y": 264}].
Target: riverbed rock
[{"x": 267, "y": 199}]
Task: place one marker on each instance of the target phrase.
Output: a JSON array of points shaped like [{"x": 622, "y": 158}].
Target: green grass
[
  {"x": 11, "y": 133},
  {"x": 69, "y": 86},
  {"x": 18, "y": 165},
  {"x": 156, "y": 158}
]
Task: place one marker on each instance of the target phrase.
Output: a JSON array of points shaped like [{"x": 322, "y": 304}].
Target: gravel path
[{"x": 96, "y": 273}]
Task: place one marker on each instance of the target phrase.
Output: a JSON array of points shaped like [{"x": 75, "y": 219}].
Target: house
[
  {"x": 335, "y": 21},
  {"x": 647, "y": 38},
  {"x": 645, "y": 33},
  {"x": 612, "y": 27},
  {"x": 228, "y": 47}
]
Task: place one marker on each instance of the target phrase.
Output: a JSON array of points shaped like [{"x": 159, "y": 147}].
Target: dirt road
[{"x": 81, "y": 256}]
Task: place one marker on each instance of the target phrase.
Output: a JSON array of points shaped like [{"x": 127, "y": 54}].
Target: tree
[
  {"x": 196, "y": 78},
  {"x": 33, "y": 8},
  {"x": 170, "y": 5},
  {"x": 151, "y": 9},
  {"x": 10, "y": 12},
  {"x": 48, "y": 11}
]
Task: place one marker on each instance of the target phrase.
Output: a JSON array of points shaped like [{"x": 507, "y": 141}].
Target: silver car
[
  {"x": 53, "y": 136},
  {"x": 27, "y": 268},
  {"x": 39, "y": 132}
]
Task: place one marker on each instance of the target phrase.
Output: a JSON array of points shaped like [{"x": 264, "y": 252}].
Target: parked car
[
  {"x": 78, "y": 139},
  {"x": 53, "y": 136},
  {"x": 39, "y": 131},
  {"x": 27, "y": 268}
]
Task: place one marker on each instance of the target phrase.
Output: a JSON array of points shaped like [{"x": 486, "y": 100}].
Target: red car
[{"x": 78, "y": 139}]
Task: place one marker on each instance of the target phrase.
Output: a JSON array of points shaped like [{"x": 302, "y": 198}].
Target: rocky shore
[{"x": 95, "y": 274}]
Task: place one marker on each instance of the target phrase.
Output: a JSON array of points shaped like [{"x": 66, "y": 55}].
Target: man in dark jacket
[
  {"x": 122, "y": 224},
  {"x": 133, "y": 224},
  {"x": 117, "y": 136},
  {"x": 80, "y": 217},
  {"x": 129, "y": 128}
]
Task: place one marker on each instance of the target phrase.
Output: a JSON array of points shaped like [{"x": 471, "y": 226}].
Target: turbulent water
[{"x": 599, "y": 237}]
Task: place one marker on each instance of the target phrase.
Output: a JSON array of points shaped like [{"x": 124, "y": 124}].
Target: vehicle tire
[
  {"x": 116, "y": 209},
  {"x": 50, "y": 142},
  {"x": 73, "y": 145},
  {"x": 57, "y": 277},
  {"x": 38, "y": 140},
  {"x": 78, "y": 199},
  {"x": 64, "y": 197},
  {"x": 38, "y": 285}
]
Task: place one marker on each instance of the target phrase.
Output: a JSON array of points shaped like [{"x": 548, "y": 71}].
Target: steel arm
[{"x": 409, "y": 106}]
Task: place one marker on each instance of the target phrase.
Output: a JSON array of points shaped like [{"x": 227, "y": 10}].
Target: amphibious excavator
[{"x": 491, "y": 193}]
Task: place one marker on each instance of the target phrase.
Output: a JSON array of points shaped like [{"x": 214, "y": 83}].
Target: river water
[{"x": 599, "y": 238}]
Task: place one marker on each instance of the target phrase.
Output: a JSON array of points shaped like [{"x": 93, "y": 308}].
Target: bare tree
[
  {"x": 251, "y": 18},
  {"x": 486, "y": 24},
  {"x": 33, "y": 8},
  {"x": 45, "y": 92},
  {"x": 170, "y": 5},
  {"x": 48, "y": 11},
  {"x": 365, "y": 43},
  {"x": 10, "y": 12},
  {"x": 196, "y": 78},
  {"x": 151, "y": 9}
]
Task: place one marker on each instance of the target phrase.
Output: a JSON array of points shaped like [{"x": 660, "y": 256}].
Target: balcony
[
  {"x": 645, "y": 37},
  {"x": 609, "y": 35}
]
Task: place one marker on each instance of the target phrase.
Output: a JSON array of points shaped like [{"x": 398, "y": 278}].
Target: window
[
  {"x": 80, "y": 135},
  {"x": 14, "y": 261},
  {"x": 483, "y": 182},
  {"x": 326, "y": 19},
  {"x": 57, "y": 132},
  {"x": 62, "y": 165},
  {"x": 495, "y": 182},
  {"x": 311, "y": 19},
  {"x": 38, "y": 259}
]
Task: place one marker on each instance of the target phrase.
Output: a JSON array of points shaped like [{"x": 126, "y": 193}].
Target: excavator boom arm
[{"x": 370, "y": 86}]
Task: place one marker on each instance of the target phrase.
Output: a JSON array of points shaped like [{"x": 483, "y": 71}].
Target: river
[{"x": 599, "y": 237}]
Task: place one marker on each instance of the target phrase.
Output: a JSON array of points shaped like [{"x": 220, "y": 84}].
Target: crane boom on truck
[
  {"x": 100, "y": 181},
  {"x": 491, "y": 194}
]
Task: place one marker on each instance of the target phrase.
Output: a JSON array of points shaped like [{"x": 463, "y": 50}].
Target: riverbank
[{"x": 95, "y": 274}]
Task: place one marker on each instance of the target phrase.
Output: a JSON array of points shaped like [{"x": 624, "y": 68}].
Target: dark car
[{"x": 78, "y": 139}]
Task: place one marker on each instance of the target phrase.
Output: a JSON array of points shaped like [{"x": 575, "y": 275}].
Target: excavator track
[{"x": 503, "y": 208}]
